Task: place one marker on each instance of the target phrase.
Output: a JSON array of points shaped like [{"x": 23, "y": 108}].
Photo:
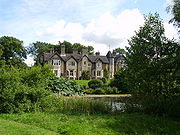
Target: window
[
  {"x": 56, "y": 72},
  {"x": 71, "y": 63},
  {"x": 89, "y": 64},
  {"x": 71, "y": 72},
  {"x": 56, "y": 62},
  {"x": 99, "y": 64},
  {"x": 84, "y": 63},
  {"x": 98, "y": 73}
]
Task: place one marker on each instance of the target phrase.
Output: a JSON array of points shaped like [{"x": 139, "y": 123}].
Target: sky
[{"x": 103, "y": 24}]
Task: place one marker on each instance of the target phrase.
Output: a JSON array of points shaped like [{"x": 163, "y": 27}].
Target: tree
[
  {"x": 12, "y": 51},
  {"x": 106, "y": 73},
  {"x": 85, "y": 75},
  {"x": 175, "y": 11},
  {"x": 69, "y": 47},
  {"x": 119, "y": 82},
  {"x": 37, "y": 49},
  {"x": 119, "y": 51},
  {"x": 153, "y": 67}
]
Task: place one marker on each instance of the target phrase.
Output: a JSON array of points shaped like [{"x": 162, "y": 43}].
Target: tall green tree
[
  {"x": 69, "y": 47},
  {"x": 153, "y": 65},
  {"x": 119, "y": 51},
  {"x": 174, "y": 9},
  {"x": 12, "y": 51},
  {"x": 38, "y": 48}
]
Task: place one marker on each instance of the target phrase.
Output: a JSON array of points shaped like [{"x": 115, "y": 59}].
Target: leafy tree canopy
[
  {"x": 38, "y": 48},
  {"x": 152, "y": 71},
  {"x": 119, "y": 51},
  {"x": 153, "y": 60},
  {"x": 12, "y": 51},
  {"x": 175, "y": 11}
]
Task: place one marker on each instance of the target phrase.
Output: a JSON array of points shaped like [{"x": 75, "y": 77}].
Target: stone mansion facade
[{"x": 72, "y": 65}]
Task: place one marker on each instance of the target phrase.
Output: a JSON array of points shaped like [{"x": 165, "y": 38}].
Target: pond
[{"x": 116, "y": 102}]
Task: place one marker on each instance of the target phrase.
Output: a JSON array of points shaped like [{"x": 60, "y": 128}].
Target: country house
[{"x": 72, "y": 65}]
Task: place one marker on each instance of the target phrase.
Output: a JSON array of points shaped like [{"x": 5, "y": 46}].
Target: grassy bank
[
  {"x": 82, "y": 82},
  {"x": 83, "y": 124}
]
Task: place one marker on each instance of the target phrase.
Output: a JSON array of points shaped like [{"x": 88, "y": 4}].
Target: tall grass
[{"x": 74, "y": 104}]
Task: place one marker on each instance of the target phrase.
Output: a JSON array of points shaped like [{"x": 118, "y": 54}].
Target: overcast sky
[{"x": 100, "y": 23}]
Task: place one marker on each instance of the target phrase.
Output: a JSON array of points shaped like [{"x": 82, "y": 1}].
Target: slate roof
[
  {"x": 120, "y": 56},
  {"x": 109, "y": 54},
  {"x": 77, "y": 57}
]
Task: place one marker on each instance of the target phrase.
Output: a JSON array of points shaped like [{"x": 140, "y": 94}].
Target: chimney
[
  {"x": 114, "y": 53},
  {"x": 52, "y": 50},
  {"x": 97, "y": 53},
  {"x": 84, "y": 51},
  {"x": 75, "y": 51},
  {"x": 63, "y": 50}
]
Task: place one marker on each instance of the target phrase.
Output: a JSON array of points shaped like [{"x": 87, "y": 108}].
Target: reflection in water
[{"x": 117, "y": 103}]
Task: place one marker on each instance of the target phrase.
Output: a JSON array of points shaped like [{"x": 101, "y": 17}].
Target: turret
[{"x": 111, "y": 64}]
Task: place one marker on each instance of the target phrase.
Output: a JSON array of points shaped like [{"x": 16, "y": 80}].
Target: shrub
[
  {"x": 95, "y": 83},
  {"x": 64, "y": 86},
  {"x": 104, "y": 80},
  {"x": 88, "y": 91},
  {"x": 110, "y": 90},
  {"x": 98, "y": 91},
  {"x": 85, "y": 75},
  {"x": 119, "y": 82},
  {"x": 16, "y": 95}
]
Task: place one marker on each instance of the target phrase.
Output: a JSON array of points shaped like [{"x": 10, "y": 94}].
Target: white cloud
[
  {"x": 101, "y": 32},
  {"x": 170, "y": 31}
]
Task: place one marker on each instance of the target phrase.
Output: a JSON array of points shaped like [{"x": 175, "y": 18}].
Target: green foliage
[
  {"x": 69, "y": 47},
  {"x": 119, "y": 82},
  {"x": 98, "y": 91},
  {"x": 85, "y": 75},
  {"x": 119, "y": 51},
  {"x": 106, "y": 74},
  {"x": 37, "y": 49},
  {"x": 21, "y": 90},
  {"x": 88, "y": 91},
  {"x": 96, "y": 124},
  {"x": 64, "y": 86},
  {"x": 153, "y": 67},
  {"x": 73, "y": 104},
  {"x": 110, "y": 90},
  {"x": 174, "y": 9},
  {"x": 12, "y": 51},
  {"x": 104, "y": 80},
  {"x": 95, "y": 83},
  {"x": 37, "y": 76}
]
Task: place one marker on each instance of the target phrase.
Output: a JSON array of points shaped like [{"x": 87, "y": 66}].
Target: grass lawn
[
  {"x": 85, "y": 82},
  {"x": 51, "y": 123},
  {"x": 82, "y": 82}
]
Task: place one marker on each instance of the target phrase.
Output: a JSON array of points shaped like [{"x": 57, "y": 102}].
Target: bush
[
  {"x": 95, "y": 83},
  {"x": 119, "y": 82},
  {"x": 85, "y": 75},
  {"x": 98, "y": 91},
  {"x": 110, "y": 90},
  {"x": 104, "y": 80},
  {"x": 88, "y": 91},
  {"x": 64, "y": 86},
  {"x": 16, "y": 95}
]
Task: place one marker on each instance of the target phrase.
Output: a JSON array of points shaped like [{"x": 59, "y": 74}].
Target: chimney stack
[
  {"x": 52, "y": 50},
  {"x": 84, "y": 51},
  {"x": 75, "y": 51},
  {"x": 63, "y": 50},
  {"x": 97, "y": 53}
]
